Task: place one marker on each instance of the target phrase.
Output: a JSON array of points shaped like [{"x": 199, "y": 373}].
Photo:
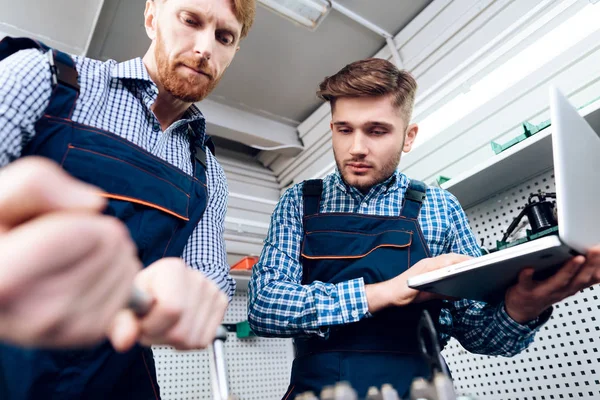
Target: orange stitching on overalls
[
  {"x": 359, "y": 233},
  {"x": 124, "y": 141},
  {"x": 62, "y": 162},
  {"x": 388, "y": 217},
  {"x": 150, "y": 376},
  {"x": 71, "y": 146},
  {"x": 289, "y": 392},
  {"x": 142, "y": 202},
  {"x": 359, "y": 256},
  {"x": 169, "y": 242}
]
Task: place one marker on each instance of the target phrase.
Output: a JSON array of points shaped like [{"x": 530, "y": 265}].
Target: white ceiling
[{"x": 66, "y": 24}]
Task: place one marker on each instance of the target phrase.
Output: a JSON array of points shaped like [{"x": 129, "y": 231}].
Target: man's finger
[
  {"x": 526, "y": 279},
  {"x": 170, "y": 300},
  {"x": 563, "y": 278},
  {"x": 124, "y": 331},
  {"x": 33, "y": 186}
]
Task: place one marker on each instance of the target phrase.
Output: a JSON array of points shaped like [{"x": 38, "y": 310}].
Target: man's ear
[
  {"x": 409, "y": 137},
  {"x": 150, "y": 19}
]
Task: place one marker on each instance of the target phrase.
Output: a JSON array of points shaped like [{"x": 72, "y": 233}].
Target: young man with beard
[
  {"x": 131, "y": 130},
  {"x": 333, "y": 271}
]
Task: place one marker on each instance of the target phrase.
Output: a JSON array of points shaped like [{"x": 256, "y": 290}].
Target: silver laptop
[{"x": 576, "y": 153}]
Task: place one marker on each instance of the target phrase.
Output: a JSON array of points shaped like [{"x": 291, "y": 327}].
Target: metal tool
[
  {"x": 140, "y": 302},
  {"x": 218, "y": 366}
]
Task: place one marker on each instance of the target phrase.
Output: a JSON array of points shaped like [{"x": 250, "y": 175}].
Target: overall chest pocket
[
  {"x": 152, "y": 206},
  {"x": 337, "y": 256}
]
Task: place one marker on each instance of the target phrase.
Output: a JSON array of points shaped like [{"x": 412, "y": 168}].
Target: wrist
[
  {"x": 378, "y": 296},
  {"x": 521, "y": 316}
]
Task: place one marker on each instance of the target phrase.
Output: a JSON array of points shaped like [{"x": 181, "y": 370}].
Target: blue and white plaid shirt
[
  {"x": 279, "y": 305},
  {"x": 117, "y": 97}
]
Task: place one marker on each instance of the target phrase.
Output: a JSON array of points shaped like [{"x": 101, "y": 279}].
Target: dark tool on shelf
[{"x": 541, "y": 215}]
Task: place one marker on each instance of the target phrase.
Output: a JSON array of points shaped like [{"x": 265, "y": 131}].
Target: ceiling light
[{"x": 308, "y": 13}]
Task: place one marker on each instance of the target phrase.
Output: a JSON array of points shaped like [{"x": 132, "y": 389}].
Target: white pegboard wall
[
  {"x": 259, "y": 368},
  {"x": 563, "y": 362},
  {"x": 490, "y": 219}
]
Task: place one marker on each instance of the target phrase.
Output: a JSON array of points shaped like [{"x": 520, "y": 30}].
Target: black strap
[
  {"x": 63, "y": 70},
  {"x": 64, "y": 75},
  {"x": 62, "y": 66},
  {"x": 208, "y": 142},
  {"x": 201, "y": 156},
  {"x": 311, "y": 193},
  {"x": 413, "y": 199},
  {"x": 199, "y": 149}
]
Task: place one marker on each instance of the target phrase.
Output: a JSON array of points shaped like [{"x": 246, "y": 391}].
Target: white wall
[{"x": 441, "y": 47}]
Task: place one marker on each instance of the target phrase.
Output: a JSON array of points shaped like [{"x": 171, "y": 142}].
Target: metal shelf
[{"x": 519, "y": 163}]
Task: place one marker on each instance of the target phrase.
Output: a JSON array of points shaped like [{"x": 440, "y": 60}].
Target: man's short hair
[
  {"x": 244, "y": 11},
  {"x": 373, "y": 77}
]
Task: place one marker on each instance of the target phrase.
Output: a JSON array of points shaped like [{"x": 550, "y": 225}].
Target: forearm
[{"x": 284, "y": 309}]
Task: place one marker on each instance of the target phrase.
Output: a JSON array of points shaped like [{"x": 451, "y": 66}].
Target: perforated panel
[
  {"x": 564, "y": 360},
  {"x": 259, "y": 369},
  {"x": 489, "y": 220}
]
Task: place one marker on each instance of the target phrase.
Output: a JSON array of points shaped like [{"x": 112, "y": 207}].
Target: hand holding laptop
[
  {"x": 524, "y": 301},
  {"x": 575, "y": 150},
  {"x": 529, "y": 298},
  {"x": 395, "y": 292}
]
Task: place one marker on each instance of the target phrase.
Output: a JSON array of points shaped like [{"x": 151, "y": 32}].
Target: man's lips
[
  {"x": 199, "y": 71},
  {"x": 358, "y": 167}
]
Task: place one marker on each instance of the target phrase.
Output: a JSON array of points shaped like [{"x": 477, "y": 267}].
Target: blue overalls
[
  {"x": 339, "y": 247},
  {"x": 161, "y": 206}
]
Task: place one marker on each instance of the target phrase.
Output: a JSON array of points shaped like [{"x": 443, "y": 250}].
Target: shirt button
[
  {"x": 155, "y": 127},
  {"x": 354, "y": 314}
]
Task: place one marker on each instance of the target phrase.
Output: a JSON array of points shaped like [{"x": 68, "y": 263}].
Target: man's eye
[{"x": 225, "y": 38}]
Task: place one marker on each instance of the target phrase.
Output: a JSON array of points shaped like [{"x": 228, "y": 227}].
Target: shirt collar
[{"x": 131, "y": 69}]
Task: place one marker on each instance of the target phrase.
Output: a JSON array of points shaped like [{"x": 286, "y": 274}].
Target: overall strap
[
  {"x": 198, "y": 147},
  {"x": 413, "y": 199},
  {"x": 311, "y": 193},
  {"x": 62, "y": 68}
]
